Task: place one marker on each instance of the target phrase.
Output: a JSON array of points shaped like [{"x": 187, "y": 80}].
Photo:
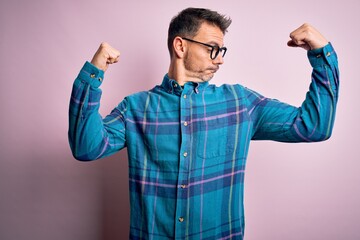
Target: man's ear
[{"x": 179, "y": 47}]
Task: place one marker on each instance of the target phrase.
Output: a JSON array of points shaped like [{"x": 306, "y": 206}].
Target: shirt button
[
  {"x": 185, "y": 124},
  {"x": 183, "y": 186},
  {"x": 175, "y": 85},
  {"x": 181, "y": 219},
  {"x": 184, "y": 95},
  {"x": 185, "y": 154},
  {"x": 100, "y": 79},
  {"x": 92, "y": 75},
  {"x": 328, "y": 54}
]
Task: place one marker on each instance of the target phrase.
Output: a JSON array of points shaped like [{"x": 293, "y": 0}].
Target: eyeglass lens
[{"x": 216, "y": 50}]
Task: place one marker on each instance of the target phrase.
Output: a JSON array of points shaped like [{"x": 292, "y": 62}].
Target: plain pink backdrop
[{"x": 293, "y": 191}]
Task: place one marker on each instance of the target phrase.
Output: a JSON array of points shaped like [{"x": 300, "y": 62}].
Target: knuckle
[
  {"x": 308, "y": 32},
  {"x": 307, "y": 26},
  {"x": 104, "y": 45}
]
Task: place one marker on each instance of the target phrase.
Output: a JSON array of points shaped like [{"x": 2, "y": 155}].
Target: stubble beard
[{"x": 195, "y": 71}]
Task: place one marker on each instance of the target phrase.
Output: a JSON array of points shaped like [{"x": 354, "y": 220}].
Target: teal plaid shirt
[{"x": 187, "y": 146}]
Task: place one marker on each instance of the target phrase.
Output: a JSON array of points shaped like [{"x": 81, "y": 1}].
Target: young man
[{"x": 187, "y": 140}]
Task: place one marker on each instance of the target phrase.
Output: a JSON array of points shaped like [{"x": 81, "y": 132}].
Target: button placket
[
  {"x": 183, "y": 186},
  {"x": 183, "y": 176}
]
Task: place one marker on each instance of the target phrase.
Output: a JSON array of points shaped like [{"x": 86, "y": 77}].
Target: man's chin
[{"x": 208, "y": 77}]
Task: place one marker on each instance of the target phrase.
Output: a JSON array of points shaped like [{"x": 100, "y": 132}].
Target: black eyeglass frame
[{"x": 218, "y": 49}]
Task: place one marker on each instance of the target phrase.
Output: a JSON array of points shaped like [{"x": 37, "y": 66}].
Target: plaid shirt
[{"x": 187, "y": 146}]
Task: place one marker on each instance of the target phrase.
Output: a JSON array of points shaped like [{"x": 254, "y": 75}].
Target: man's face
[{"x": 197, "y": 61}]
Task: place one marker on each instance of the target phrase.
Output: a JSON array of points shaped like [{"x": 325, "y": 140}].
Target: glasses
[{"x": 215, "y": 50}]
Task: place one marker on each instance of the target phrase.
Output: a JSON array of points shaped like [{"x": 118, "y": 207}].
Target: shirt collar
[{"x": 171, "y": 86}]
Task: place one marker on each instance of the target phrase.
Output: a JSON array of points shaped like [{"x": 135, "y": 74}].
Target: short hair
[{"x": 189, "y": 20}]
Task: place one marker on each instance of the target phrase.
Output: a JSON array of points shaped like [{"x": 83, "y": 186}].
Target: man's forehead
[{"x": 210, "y": 33}]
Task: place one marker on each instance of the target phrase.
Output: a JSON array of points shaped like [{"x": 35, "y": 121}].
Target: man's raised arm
[
  {"x": 314, "y": 120},
  {"x": 90, "y": 136}
]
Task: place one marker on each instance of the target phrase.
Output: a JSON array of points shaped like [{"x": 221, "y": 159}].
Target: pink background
[{"x": 293, "y": 191}]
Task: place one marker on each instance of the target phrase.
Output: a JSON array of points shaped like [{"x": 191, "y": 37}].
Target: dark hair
[{"x": 189, "y": 20}]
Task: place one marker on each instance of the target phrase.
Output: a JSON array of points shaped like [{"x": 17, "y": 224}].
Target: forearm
[{"x": 89, "y": 136}]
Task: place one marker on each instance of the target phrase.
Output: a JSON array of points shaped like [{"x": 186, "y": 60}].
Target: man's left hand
[{"x": 307, "y": 37}]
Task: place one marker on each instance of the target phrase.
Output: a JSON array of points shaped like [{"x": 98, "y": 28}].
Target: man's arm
[
  {"x": 314, "y": 120},
  {"x": 90, "y": 136}
]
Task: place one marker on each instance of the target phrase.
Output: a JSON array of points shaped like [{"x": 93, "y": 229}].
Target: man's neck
[{"x": 179, "y": 75}]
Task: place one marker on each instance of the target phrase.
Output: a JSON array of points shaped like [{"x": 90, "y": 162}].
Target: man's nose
[{"x": 219, "y": 59}]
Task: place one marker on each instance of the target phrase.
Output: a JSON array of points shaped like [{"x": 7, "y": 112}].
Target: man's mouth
[{"x": 214, "y": 69}]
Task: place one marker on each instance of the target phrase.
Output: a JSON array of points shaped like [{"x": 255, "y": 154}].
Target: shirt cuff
[
  {"x": 321, "y": 56},
  {"x": 91, "y": 74}
]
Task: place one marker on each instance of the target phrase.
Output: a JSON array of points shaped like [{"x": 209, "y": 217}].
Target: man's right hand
[{"x": 104, "y": 56}]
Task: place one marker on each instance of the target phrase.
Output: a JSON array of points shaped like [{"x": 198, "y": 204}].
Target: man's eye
[{"x": 210, "y": 49}]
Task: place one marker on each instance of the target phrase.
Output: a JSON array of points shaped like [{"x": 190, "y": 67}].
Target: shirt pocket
[{"x": 216, "y": 136}]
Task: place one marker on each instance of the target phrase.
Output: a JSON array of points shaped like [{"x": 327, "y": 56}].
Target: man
[{"x": 187, "y": 140}]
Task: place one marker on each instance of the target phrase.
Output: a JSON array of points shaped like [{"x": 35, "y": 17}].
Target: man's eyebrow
[{"x": 213, "y": 43}]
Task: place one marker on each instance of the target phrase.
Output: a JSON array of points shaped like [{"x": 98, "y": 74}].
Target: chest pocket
[{"x": 216, "y": 136}]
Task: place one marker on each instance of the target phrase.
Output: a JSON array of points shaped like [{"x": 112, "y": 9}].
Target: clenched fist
[
  {"x": 104, "y": 56},
  {"x": 307, "y": 37}
]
